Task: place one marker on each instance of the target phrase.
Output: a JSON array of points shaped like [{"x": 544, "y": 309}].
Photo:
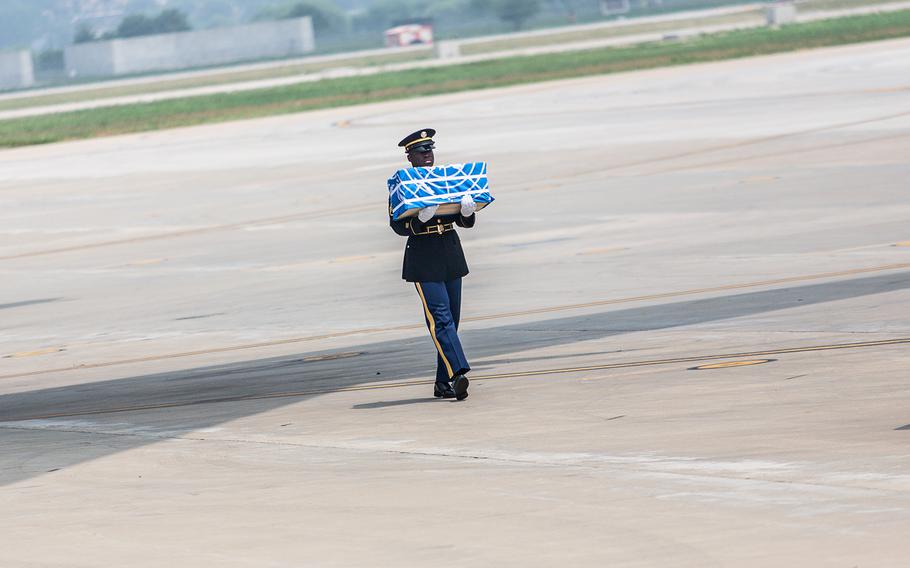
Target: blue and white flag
[{"x": 412, "y": 189}]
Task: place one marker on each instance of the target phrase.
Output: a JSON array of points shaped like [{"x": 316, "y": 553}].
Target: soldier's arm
[
  {"x": 406, "y": 227},
  {"x": 402, "y": 227}
]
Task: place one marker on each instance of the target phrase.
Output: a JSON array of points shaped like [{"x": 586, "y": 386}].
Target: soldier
[{"x": 435, "y": 263}]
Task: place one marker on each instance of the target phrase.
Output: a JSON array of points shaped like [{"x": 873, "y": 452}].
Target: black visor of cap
[{"x": 422, "y": 147}]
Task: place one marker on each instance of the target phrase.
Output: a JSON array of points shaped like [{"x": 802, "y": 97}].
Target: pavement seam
[
  {"x": 494, "y": 376},
  {"x": 501, "y": 315}
]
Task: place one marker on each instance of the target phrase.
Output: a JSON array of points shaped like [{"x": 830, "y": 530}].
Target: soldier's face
[{"x": 420, "y": 159}]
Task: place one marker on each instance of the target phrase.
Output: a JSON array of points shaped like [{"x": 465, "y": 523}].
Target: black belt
[{"x": 437, "y": 229}]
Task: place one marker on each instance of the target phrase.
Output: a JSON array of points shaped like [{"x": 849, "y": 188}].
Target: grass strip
[
  {"x": 419, "y": 82},
  {"x": 810, "y": 6},
  {"x": 102, "y": 91}
]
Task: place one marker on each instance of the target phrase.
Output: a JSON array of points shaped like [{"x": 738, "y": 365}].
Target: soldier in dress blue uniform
[{"x": 435, "y": 263}]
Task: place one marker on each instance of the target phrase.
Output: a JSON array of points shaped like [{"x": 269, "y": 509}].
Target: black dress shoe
[
  {"x": 443, "y": 390},
  {"x": 460, "y": 386}
]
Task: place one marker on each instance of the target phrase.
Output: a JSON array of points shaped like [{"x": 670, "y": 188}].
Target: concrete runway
[{"x": 209, "y": 359}]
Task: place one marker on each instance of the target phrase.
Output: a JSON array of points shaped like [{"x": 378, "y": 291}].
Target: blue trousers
[{"x": 442, "y": 310}]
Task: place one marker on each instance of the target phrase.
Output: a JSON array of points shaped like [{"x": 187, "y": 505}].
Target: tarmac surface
[{"x": 209, "y": 359}]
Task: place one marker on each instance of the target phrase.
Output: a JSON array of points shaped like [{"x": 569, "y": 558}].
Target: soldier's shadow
[
  {"x": 390, "y": 403},
  {"x": 222, "y": 393}
]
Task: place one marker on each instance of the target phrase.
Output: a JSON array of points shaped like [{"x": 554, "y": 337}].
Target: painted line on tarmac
[
  {"x": 502, "y": 315},
  {"x": 490, "y": 377},
  {"x": 731, "y": 364},
  {"x": 649, "y": 363},
  {"x": 35, "y": 353}
]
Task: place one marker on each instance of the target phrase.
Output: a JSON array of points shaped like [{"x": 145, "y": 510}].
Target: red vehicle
[{"x": 409, "y": 34}]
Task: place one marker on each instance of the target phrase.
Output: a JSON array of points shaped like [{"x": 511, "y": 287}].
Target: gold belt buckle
[{"x": 436, "y": 229}]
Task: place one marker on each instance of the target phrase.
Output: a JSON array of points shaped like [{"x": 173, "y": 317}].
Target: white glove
[
  {"x": 427, "y": 213},
  {"x": 468, "y": 206}
]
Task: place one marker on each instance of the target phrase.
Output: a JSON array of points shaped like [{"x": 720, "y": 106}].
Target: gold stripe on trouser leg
[{"x": 432, "y": 322}]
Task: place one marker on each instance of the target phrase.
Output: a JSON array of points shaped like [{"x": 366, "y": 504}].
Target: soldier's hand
[
  {"x": 427, "y": 213},
  {"x": 468, "y": 206}
]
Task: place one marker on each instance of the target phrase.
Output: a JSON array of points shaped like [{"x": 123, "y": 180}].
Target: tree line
[
  {"x": 327, "y": 17},
  {"x": 381, "y": 14},
  {"x": 168, "y": 21}
]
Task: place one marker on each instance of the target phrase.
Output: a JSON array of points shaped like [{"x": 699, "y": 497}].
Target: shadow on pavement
[
  {"x": 390, "y": 360},
  {"x": 28, "y": 303},
  {"x": 388, "y": 403}
]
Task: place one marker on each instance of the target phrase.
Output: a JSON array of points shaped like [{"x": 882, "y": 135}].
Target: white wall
[
  {"x": 95, "y": 59},
  {"x": 263, "y": 40},
  {"x": 16, "y": 70}
]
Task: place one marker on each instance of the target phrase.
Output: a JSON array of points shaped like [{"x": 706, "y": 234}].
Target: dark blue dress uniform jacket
[{"x": 434, "y": 257}]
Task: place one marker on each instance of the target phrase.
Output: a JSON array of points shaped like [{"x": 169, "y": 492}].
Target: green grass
[
  {"x": 419, "y": 82},
  {"x": 821, "y": 5},
  {"x": 103, "y": 91}
]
